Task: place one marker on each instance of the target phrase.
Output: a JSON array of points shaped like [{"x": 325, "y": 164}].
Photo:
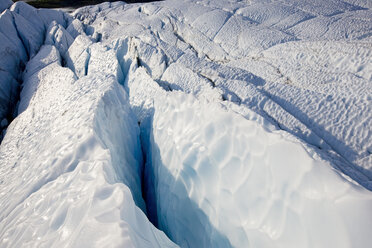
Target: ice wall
[{"x": 239, "y": 184}]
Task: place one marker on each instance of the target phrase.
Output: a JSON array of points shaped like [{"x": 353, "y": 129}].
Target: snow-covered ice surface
[
  {"x": 225, "y": 123},
  {"x": 236, "y": 182},
  {"x": 22, "y": 32},
  {"x": 72, "y": 178}
]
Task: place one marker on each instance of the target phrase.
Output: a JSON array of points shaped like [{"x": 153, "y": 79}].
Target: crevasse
[{"x": 222, "y": 124}]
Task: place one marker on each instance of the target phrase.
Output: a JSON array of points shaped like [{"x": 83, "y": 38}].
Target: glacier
[{"x": 188, "y": 123}]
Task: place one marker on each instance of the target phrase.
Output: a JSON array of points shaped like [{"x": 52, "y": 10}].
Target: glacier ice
[
  {"x": 8, "y": 94},
  {"x": 103, "y": 59},
  {"x": 32, "y": 38},
  {"x": 46, "y": 57},
  {"x": 30, "y": 14},
  {"x": 5, "y": 4},
  {"x": 83, "y": 189},
  {"x": 224, "y": 123},
  {"x": 8, "y": 29},
  {"x": 59, "y": 37},
  {"x": 76, "y": 28},
  {"x": 78, "y": 55},
  {"x": 180, "y": 78},
  {"x": 228, "y": 175},
  {"x": 10, "y": 56},
  {"x": 22, "y": 30},
  {"x": 50, "y": 15}
]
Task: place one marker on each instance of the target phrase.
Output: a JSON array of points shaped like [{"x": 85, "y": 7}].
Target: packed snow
[{"x": 186, "y": 123}]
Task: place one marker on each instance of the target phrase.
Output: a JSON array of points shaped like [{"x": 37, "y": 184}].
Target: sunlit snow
[{"x": 186, "y": 123}]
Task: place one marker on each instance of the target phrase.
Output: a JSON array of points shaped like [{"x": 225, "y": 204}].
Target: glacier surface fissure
[{"x": 222, "y": 123}]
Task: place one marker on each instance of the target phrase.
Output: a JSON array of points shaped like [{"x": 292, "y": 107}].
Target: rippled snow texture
[{"x": 226, "y": 123}]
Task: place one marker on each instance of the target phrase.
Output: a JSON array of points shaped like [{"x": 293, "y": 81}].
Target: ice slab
[
  {"x": 59, "y": 37},
  {"x": 76, "y": 28},
  {"x": 34, "y": 72},
  {"x": 30, "y": 14},
  {"x": 8, "y": 29},
  {"x": 32, "y": 39},
  {"x": 78, "y": 55},
  {"x": 103, "y": 59},
  {"x": 10, "y": 56},
  {"x": 47, "y": 55}
]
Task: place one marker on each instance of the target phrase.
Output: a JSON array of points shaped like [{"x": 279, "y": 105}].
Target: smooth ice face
[
  {"x": 76, "y": 28},
  {"x": 8, "y": 29},
  {"x": 237, "y": 183},
  {"x": 78, "y": 55},
  {"x": 31, "y": 37},
  {"x": 10, "y": 57},
  {"x": 30, "y": 14}
]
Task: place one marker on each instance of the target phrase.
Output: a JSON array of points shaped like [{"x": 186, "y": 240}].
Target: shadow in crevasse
[{"x": 169, "y": 207}]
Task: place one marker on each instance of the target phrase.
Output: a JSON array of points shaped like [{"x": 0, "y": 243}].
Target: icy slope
[
  {"x": 22, "y": 31},
  {"x": 237, "y": 181},
  {"x": 71, "y": 165},
  {"x": 303, "y": 66},
  {"x": 315, "y": 54},
  {"x": 232, "y": 178}
]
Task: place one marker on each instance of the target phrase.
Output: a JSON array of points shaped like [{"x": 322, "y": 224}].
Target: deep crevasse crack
[{"x": 213, "y": 173}]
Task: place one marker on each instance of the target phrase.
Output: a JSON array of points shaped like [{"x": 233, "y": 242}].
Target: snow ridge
[
  {"x": 88, "y": 181},
  {"x": 22, "y": 32}
]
